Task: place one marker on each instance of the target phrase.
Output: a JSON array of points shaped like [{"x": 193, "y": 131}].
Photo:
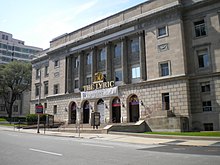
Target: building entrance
[
  {"x": 101, "y": 110},
  {"x": 134, "y": 108},
  {"x": 116, "y": 110},
  {"x": 73, "y": 113},
  {"x": 86, "y": 112}
]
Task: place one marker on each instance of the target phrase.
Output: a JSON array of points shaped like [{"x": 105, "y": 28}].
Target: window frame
[
  {"x": 55, "y": 109},
  {"x": 163, "y": 35},
  {"x": 206, "y": 107},
  {"x": 102, "y": 54},
  {"x": 205, "y": 87},
  {"x": 37, "y": 89},
  {"x": 200, "y": 26},
  {"x": 46, "y": 89},
  {"x": 89, "y": 58},
  {"x": 165, "y": 106},
  {"x": 118, "y": 70},
  {"x": 56, "y": 63},
  {"x": 46, "y": 70},
  {"x": 206, "y": 64},
  {"x": 56, "y": 89},
  {"x": 134, "y": 69},
  {"x": 161, "y": 71}
]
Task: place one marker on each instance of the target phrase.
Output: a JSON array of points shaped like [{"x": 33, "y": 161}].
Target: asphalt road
[{"x": 32, "y": 149}]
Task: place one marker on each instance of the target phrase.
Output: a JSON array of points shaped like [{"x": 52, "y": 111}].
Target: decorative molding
[{"x": 163, "y": 47}]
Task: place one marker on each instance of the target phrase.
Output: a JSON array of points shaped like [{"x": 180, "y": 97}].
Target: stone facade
[{"x": 162, "y": 57}]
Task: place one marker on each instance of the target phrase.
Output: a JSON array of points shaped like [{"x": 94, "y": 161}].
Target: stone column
[
  {"x": 68, "y": 74},
  {"x": 124, "y": 54},
  {"x": 108, "y": 62},
  {"x": 81, "y": 70},
  {"x": 94, "y": 62},
  {"x": 142, "y": 56}
]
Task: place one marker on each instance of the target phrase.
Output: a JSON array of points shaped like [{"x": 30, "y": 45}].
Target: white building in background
[{"x": 15, "y": 49}]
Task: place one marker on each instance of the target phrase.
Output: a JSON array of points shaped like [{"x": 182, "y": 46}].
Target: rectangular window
[
  {"x": 162, "y": 31},
  {"x": 15, "y": 108},
  {"x": 136, "y": 72},
  {"x": 76, "y": 82},
  {"x": 37, "y": 89},
  {"x": 165, "y": 101},
  {"x": 164, "y": 69},
  {"x": 205, "y": 87},
  {"x": 89, "y": 59},
  {"x": 56, "y": 63},
  {"x": 46, "y": 87},
  {"x": 56, "y": 89},
  {"x": 135, "y": 46},
  {"x": 207, "y": 106},
  {"x": 45, "y": 105},
  {"x": 55, "y": 109},
  {"x": 208, "y": 126},
  {"x": 38, "y": 72},
  {"x": 76, "y": 62},
  {"x": 117, "y": 50},
  {"x": 102, "y": 54},
  {"x": 203, "y": 58},
  {"x": 118, "y": 75},
  {"x": 88, "y": 80},
  {"x": 2, "y": 108},
  {"x": 200, "y": 28},
  {"x": 46, "y": 71}
]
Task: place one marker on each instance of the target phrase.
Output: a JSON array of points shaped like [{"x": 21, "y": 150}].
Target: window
[
  {"x": 89, "y": 59},
  {"x": 208, "y": 126},
  {"x": 38, "y": 72},
  {"x": 15, "y": 108},
  {"x": 136, "y": 72},
  {"x": 162, "y": 31},
  {"x": 207, "y": 106},
  {"x": 46, "y": 71},
  {"x": 135, "y": 46},
  {"x": 117, "y": 50},
  {"x": 200, "y": 29},
  {"x": 46, "y": 87},
  {"x": 165, "y": 101},
  {"x": 76, "y": 62},
  {"x": 88, "y": 80},
  {"x": 55, "y": 109},
  {"x": 56, "y": 89},
  {"x": 2, "y": 108},
  {"x": 45, "y": 105},
  {"x": 164, "y": 69},
  {"x": 37, "y": 89},
  {"x": 76, "y": 83},
  {"x": 205, "y": 87},
  {"x": 118, "y": 75},
  {"x": 56, "y": 63},
  {"x": 203, "y": 58},
  {"x": 102, "y": 55}
]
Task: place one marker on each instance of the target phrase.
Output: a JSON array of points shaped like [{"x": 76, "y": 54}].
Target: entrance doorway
[
  {"x": 101, "y": 110},
  {"x": 134, "y": 108},
  {"x": 73, "y": 113},
  {"x": 116, "y": 110},
  {"x": 86, "y": 112}
]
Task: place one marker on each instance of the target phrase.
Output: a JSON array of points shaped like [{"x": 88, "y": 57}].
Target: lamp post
[{"x": 39, "y": 103}]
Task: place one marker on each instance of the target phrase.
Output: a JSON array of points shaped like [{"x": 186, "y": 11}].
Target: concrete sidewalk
[{"x": 128, "y": 137}]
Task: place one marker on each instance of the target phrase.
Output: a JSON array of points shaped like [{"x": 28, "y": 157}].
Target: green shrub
[{"x": 32, "y": 118}]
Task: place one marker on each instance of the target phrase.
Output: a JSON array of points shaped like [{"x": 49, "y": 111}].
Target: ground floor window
[
  {"x": 208, "y": 126},
  {"x": 165, "y": 101}
]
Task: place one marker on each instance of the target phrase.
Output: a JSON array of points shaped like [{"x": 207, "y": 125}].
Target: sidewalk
[{"x": 128, "y": 137}]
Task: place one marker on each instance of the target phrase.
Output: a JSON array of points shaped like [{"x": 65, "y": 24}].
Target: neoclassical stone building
[{"x": 158, "y": 61}]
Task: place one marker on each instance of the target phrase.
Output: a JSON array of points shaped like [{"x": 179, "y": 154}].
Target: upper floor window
[
  {"x": 205, "y": 87},
  {"x": 203, "y": 58},
  {"x": 102, "y": 55},
  {"x": 76, "y": 83},
  {"x": 164, "y": 69},
  {"x": 56, "y": 63},
  {"x": 117, "y": 50},
  {"x": 88, "y": 80},
  {"x": 207, "y": 106},
  {"x": 46, "y": 71},
  {"x": 89, "y": 59},
  {"x": 76, "y": 62},
  {"x": 135, "y": 45},
  {"x": 162, "y": 31},
  {"x": 55, "y": 109},
  {"x": 37, "y": 89},
  {"x": 136, "y": 72},
  {"x": 118, "y": 75},
  {"x": 38, "y": 72},
  {"x": 46, "y": 87},
  {"x": 56, "y": 89},
  {"x": 200, "y": 28}
]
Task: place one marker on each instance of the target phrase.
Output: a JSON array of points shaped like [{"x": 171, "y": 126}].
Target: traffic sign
[{"x": 39, "y": 109}]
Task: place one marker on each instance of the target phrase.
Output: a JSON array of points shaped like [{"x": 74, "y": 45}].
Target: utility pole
[{"x": 39, "y": 103}]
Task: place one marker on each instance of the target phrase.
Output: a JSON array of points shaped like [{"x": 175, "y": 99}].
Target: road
[{"x": 24, "y": 149}]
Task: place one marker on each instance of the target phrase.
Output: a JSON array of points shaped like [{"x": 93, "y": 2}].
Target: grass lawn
[{"x": 215, "y": 134}]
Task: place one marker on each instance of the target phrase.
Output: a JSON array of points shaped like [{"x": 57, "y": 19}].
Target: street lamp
[{"x": 39, "y": 103}]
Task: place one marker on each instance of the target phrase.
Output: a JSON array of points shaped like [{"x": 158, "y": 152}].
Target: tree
[{"x": 15, "y": 78}]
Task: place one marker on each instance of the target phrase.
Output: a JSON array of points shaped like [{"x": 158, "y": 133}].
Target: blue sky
[{"x": 37, "y": 22}]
